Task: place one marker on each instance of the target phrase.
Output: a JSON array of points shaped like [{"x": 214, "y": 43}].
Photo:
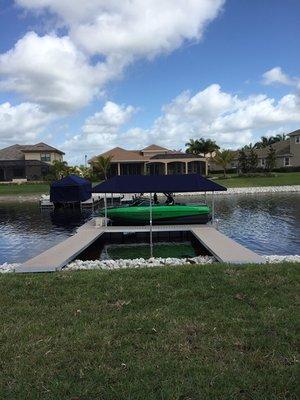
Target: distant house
[
  {"x": 287, "y": 154},
  {"x": 153, "y": 160},
  {"x": 29, "y": 162}
]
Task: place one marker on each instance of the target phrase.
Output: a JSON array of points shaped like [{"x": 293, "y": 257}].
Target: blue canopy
[
  {"x": 71, "y": 189},
  {"x": 158, "y": 184}
]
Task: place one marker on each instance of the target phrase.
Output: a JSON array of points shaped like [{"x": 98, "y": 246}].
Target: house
[
  {"x": 29, "y": 162},
  {"x": 153, "y": 160},
  {"x": 287, "y": 154}
]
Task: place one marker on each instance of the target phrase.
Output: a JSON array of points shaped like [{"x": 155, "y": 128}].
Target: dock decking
[{"x": 222, "y": 247}]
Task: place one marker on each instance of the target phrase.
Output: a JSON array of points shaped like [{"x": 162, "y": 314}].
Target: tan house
[
  {"x": 287, "y": 154},
  {"x": 153, "y": 160},
  {"x": 27, "y": 162}
]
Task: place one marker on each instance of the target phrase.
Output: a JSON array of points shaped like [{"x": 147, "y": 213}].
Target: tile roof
[
  {"x": 294, "y": 133},
  {"x": 154, "y": 147},
  {"x": 16, "y": 151},
  {"x": 119, "y": 154}
]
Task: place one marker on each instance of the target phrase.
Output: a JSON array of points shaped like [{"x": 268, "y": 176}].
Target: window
[
  {"x": 263, "y": 162},
  {"x": 286, "y": 161},
  {"x": 297, "y": 139},
  {"x": 46, "y": 157}
]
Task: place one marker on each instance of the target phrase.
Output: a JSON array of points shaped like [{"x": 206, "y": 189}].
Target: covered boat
[{"x": 161, "y": 214}]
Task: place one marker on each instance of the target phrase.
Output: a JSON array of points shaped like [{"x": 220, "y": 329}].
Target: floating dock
[{"x": 219, "y": 245}]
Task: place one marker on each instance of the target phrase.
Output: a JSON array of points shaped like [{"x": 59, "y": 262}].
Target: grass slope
[
  {"x": 192, "y": 332},
  {"x": 281, "y": 179},
  {"x": 26, "y": 189}
]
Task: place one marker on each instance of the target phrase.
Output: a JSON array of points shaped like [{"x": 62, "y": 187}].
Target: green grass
[
  {"x": 177, "y": 250},
  {"x": 281, "y": 179},
  {"x": 191, "y": 332},
  {"x": 26, "y": 189}
]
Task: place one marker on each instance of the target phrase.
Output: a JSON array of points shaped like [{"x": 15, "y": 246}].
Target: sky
[{"x": 89, "y": 75}]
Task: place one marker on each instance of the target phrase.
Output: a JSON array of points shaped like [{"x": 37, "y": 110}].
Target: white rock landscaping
[{"x": 147, "y": 263}]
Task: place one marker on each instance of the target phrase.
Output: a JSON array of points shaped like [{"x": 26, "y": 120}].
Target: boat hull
[{"x": 161, "y": 215}]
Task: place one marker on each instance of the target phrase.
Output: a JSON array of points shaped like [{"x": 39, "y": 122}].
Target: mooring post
[
  {"x": 105, "y": 209},
  {"x": 151, "y": 241}
]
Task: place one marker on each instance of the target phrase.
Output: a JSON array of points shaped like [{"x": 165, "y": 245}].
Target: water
[{"x": 267, "y": 224}]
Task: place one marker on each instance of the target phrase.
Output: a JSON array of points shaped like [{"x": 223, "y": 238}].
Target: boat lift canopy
[
  {"x": 71, "y": 189},
  {"x": 157, "y": 184}
]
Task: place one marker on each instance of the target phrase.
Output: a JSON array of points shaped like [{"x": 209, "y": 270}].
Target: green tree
[
  {"x": 58, "y": 169},
  {"x": 252, "y": 160},
  {"x": 223, "y": 158},
  {"x": 101, "y": 166},
  {"x": 243, "y": 164},
  {"x": 271, "y": 159},
  {"x": 201, "y": 146}
]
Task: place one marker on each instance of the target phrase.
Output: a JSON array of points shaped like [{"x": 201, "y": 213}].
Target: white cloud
[
  {"x": 21, "y": 123},
  {"x": 276, "y": 75},
  {"x": 211, "y": 113},
  {"x": 51, "y": 71},
  {"x": 101, "y": 131},
  {"x": 131, "y": 28}
]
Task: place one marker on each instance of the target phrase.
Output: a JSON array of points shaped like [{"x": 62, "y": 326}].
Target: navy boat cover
[
  {"x": 158, "y": 184},
  {"x": 71, "y": 189}
]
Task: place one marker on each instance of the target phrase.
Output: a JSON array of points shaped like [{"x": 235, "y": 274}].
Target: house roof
[
  {"x": 154, "y": 147},
  {"x": 40, "y": 147},
  {"x": 16, "y": 151},
  {"x": 119, "y": 154},
  {"x": 294, "y": 133},
  {"x": 281, "y": 148}
]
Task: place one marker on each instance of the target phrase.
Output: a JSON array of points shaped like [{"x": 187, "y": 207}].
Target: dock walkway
[{"x": 219, "y": 245}]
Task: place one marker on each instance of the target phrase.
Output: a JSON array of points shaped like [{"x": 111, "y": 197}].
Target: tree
[
  {"x": 101, "y": 165},
  {"x": 243, "y": 164},
  {"x": 223, "y": 158},
  {"x": 268, "y": 141},
  {"x": 58, "y": 169},
  {"x": 201, "y": 146},
  {"x": 271, "y": 159},
  {"x": 252, "y": 160}
]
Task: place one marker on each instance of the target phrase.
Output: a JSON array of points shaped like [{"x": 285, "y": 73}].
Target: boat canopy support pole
[
  {"x": 105, "y": 208},
  {"x": 151, "y": 240},
  {"x": 213, "y": 208}
]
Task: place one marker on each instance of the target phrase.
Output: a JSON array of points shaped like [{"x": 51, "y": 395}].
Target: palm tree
[
  {"x": 192, "y": 146},
  {"x": 264, "y": 142},
  {"x": 280, "y": 137},
  {"x": 101, "y": 164},
  {"x": 223, "y": 158},
  {"x": 201, "y": 146},
  {"x": 58, "y": 169}
]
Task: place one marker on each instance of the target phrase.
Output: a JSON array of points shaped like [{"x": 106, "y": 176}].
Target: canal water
[{"x": 265, "y": 223}]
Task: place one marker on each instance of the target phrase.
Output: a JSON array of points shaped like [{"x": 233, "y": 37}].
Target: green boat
[{"x": 139, "y": 214}]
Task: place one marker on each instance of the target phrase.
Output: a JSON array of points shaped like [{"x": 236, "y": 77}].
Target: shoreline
[
  {"x": 151, "y": 262},
  {"x": 238, "y": 190}
]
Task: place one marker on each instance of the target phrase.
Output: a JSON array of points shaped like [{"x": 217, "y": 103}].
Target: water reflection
[{"x": 268, "y": 224}]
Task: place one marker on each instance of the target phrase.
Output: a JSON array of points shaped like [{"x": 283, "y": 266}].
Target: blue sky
[{"x": 228, "y": 70}]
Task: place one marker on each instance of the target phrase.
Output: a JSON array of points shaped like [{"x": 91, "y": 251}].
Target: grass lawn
[
  {"x": 281, "y": 179},
  {"x": 192, "y": 332},
  {"x": 26, "y": 189}
]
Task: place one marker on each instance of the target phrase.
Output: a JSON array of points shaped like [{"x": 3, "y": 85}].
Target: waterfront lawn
[
  {"x": 189, "y": 332},
  {"x": 280, "y": 179},
  {"x": 23, "y": 189}
]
